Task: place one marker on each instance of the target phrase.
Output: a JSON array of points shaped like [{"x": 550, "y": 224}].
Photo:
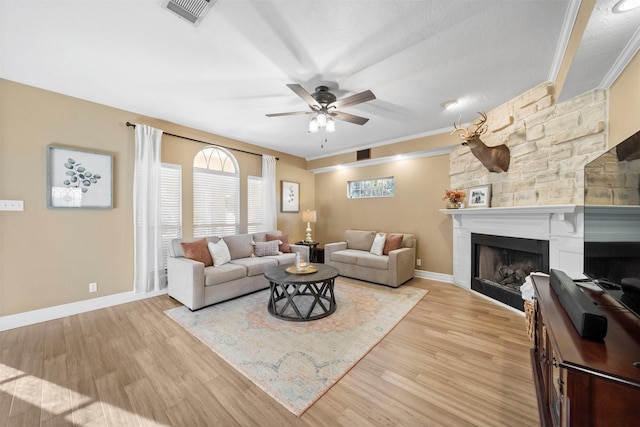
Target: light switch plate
[{"x": 11, "y": 205}]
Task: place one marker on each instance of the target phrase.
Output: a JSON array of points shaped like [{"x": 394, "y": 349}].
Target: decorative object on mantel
[
  {"x": 454, "y": 198},
  {"x": 480, "y": 197},
  {"x": 495, "y": 159}
]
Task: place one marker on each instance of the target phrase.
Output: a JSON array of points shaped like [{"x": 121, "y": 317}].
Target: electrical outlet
[
  {"x": 11, "y": 205},
  {"x": 93, "y": 287},
  {"x": 418, "y": 262}
]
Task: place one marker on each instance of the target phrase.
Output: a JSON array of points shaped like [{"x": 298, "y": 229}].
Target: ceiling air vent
[{"x": 191, "y": 10}]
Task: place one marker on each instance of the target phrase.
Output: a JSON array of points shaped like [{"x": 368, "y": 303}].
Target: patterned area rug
[{"x": 297, "y": 362}]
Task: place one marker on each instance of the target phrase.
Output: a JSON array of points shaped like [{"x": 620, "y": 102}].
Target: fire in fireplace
[{"x": 500, "y": 265}]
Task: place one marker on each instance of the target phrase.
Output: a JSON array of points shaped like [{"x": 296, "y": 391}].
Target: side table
[{"x": 313, "y": 249}]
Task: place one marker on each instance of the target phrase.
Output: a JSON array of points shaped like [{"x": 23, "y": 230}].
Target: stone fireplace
[{"x": 541, "y": 196}]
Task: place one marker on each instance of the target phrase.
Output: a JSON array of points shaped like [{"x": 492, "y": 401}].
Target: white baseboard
[
  {"x": 440, "y": 277},
  {"x": 58, "y": 311}
]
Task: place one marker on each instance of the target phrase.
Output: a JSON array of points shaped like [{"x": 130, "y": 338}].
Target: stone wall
[
  {"x": 550, "y": 145},
  {"x": 612, "y": 182}
]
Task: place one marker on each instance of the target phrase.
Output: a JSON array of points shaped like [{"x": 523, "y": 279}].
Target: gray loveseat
[
  {"x": 197, "y": 286},
  {"x": 353, "y": 257}
]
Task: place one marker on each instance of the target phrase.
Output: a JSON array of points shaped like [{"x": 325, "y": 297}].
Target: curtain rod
[{"x": 205, "y": 142}]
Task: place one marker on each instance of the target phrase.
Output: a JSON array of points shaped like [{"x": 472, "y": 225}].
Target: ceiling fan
[{"x": 324, "y": 107}]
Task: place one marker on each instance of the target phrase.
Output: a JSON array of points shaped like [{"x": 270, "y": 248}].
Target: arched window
[{"x": 216, "y": 193}]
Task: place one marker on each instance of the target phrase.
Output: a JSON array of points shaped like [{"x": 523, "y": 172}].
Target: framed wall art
[
  {"x": 79, "y": 179},
  {"x": 290, "y": 196},
  {"x": 479, "y": 197}
]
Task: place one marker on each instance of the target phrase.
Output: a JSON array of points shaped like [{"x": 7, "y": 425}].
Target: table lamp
[{"x": 308, "y": 217}]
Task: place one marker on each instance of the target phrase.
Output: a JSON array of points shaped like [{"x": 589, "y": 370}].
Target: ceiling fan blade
[
  {"x": 306, "y": 96},
  {"x": 349, "y": 117},
  {"x": 294, "y": 113},
  {"x": 358, "y": 98}
]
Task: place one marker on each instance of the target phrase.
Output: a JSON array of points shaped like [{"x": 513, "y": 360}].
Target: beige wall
[
  {"x": 49, "y": 257},
  {"x": 291, "y": 223},
  {"x": 624, "y": 103},
  {"x": 419, "y": 185}
]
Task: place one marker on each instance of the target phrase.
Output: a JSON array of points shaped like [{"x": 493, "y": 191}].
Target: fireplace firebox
[{"x": 500, "y": 265}]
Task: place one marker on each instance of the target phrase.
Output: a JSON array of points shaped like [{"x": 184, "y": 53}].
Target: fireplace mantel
[
  {"x": 565, "y": 213},
  {"x": 561, "y": 225}
]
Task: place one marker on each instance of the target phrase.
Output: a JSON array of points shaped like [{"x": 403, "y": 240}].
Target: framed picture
[
  {"x": 79, "y": 179},
  {"x": 290, "y": 196},
  {"x": 479, "y": 197}
]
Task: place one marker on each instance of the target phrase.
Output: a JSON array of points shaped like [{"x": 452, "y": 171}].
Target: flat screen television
[{"x": 612, "y": 222}]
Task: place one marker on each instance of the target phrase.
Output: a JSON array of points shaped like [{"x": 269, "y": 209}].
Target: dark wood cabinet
[{"x": 581, "y": 382}]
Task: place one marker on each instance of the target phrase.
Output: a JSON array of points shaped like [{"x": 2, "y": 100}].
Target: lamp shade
[
  {"x": 313, "y": 125},
  {"x": 308, "y": 216},
  {"x": 331, "y": 126}
]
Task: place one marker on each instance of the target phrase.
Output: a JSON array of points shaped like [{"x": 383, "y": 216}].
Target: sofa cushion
[
  {"x": 358, "y": 239},
  {"x": 369, "y": 260},
  {"x": 284, "y": 242},
  {"x": 197, "y": 251},
  {"x": 266, "y": 248},
  {"x": 378, "y": 244},
  {"x": 347, "y": 256},
  {"x": 239, "y": 245},
  {"x": 219, "y": 252},
  {"x": 254, "y": 265},
  {"x": 224, "y": 273},
  {"x": 393, "y": 242}
]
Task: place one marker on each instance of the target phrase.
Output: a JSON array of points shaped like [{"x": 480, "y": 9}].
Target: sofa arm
[
  {"x": 330, "y": 248},
  {"x": 186, "y": 281},
  {"x": 401, "y": 265}
]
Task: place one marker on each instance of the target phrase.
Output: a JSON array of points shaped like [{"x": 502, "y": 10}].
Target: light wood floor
[{"x": 455, "y": 360}]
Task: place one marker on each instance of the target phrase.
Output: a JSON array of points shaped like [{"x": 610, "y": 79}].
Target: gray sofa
[
  {"x": 197, "y": 286},
  {"x": 352, "y": 257}
]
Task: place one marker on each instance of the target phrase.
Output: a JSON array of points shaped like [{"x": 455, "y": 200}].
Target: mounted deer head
[{"x": 495, "y": 159}]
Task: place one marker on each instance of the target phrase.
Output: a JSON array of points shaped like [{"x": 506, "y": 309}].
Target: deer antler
[
  {"x": 457, "y": 128},
  {"x": 480, "y": 124}
]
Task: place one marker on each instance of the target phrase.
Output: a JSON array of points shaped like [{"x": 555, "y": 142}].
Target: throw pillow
[
  {"x": 378, "y": 244},
  {"x": 197, "y": 251},
  {"x": 266, "y": 248},
  {"x": 240, "y": 246},
  {"x": 220, "y": 253},
  {"x": 284, "y": 242},
  {"x": 394, "y": 241}
]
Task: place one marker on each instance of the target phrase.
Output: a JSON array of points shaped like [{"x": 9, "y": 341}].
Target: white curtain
[
  {"x": 269, "y": 188},
  {"x": 148, "y": 269}
]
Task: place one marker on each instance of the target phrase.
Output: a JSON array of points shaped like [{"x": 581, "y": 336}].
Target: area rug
[{"x": 297, "y": 362}]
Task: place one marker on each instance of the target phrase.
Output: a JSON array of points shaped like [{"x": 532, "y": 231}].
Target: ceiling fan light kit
[
  {"x": 322, "y": 120},
  {"x": 324, "y": 107}
]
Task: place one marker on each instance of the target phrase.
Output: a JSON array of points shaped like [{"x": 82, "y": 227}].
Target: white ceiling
[{"x": 225, "y": 74}]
